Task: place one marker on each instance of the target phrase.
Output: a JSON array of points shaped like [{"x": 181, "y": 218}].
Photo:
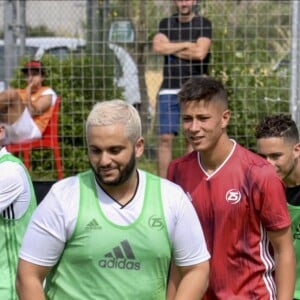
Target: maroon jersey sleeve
[{"x": 270, "y": 199}]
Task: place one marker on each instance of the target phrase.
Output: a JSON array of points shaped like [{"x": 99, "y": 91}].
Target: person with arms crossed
[
  {"x": 184, "y": 39},
  {"x": 278, "y": 141},
  {"x": 240, "y": 201},
  {"x": 17, "y": 202},
  {"x": 117, "y": 222},
  {"x": 26, "y": 112}
]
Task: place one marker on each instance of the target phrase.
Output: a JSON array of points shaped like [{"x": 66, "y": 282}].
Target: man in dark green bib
[
  {"x": 278, "y": 141},
  {"x": 110, "y": 232}
]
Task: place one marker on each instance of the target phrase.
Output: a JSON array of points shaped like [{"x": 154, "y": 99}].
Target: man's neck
[
  {"x": 293, "y": 179},
  {"x": 124, "y": 192},
  {"x": 213, "y": 159},
  {"x": 36, "y": 89},
  {"x": 185, "y": 19}
]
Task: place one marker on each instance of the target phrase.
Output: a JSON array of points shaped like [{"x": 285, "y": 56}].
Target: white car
[
  {"x": 129, "y": 81},
  {"x": 36, "y": 47},
  {"x": 61, "y": 47}
]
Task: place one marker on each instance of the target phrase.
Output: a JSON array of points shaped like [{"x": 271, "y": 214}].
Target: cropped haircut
[
  {"x": 116, "y": 112},
  {"x": 280, "y": 125},
  {"x": 203, "y": 88}
]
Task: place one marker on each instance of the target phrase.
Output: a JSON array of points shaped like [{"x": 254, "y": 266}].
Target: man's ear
[
  {"x": 225, "y": 118},
  {"x": 296, "y": 150},
  {"x": 139, "y": 147},
  {"x": 2, "y": 133}
]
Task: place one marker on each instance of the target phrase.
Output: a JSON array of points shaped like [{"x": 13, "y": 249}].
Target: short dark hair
[
  {"x": 202, "y": 88},
  {"x": 279, "y": 125}
]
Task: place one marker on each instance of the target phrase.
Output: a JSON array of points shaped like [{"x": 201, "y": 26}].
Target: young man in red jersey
[{"x": 240, "y": 201}]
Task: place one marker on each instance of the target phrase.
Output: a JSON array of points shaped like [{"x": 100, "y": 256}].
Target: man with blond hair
[{"x": 110, "y": 232}]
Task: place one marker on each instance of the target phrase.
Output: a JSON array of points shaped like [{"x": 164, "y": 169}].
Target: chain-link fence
[{"x": 97, "y": 50}]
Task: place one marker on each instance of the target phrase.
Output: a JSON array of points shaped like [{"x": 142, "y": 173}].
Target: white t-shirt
[
  {"x": 15, "y": 193},
  {"x": 54, "y": 220},
  {"x": 25, "y": 128}
]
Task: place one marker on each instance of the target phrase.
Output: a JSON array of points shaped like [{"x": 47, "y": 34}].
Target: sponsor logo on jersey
[
  {"x": 92, "y": 225},
  {"x": 233, "y": 196},
  {"x": 156, "y": 222},
  {"x": 121, "y": 257}
]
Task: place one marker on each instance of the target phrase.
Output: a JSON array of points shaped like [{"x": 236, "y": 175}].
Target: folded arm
[
  {"x": 162, "y": 45},
  {"x": 37, "y": 107},
  {"x": 185, "y": 50},
  {"x": 196, "y": 51}
]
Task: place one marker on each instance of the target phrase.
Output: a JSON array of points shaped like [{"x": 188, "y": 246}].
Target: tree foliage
[{"x": 244, "y": 52}]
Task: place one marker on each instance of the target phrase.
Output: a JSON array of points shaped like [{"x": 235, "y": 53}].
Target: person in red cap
[{"x": 26, "y": 112}]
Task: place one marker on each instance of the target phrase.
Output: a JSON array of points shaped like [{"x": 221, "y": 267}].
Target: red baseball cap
[{"x": 34, "y": 65}]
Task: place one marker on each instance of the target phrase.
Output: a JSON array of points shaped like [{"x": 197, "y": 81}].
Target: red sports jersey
[{"x": 236, "y": 204}]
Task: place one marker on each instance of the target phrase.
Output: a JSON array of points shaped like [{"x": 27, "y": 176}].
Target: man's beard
[
  {"x": 124, "y": 174},
  {"x": 295, "y": 162},
  {"x": 186, "y": 14}
]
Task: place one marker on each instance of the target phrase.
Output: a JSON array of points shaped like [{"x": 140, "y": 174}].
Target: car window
[
  {"x": 59, "y": 52},
  {"x": 36, "y": 47},
  {"x": 29, "y": 52}
]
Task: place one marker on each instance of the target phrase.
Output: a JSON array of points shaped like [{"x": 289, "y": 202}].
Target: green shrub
[{"x": 243, "y": 58}]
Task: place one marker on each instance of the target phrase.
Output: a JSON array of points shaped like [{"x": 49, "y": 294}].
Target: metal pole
[
  {"x": 294, "y": 87},
  {"x": 89, "y": 8},
  {"x": 22, "y": 26},
  {"x": 10, "y": 51}
]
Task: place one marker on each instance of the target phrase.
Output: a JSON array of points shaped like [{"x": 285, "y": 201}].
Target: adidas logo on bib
[
  {"x": 92, "y": 225},
  {"x": 121, "y": 257}
]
